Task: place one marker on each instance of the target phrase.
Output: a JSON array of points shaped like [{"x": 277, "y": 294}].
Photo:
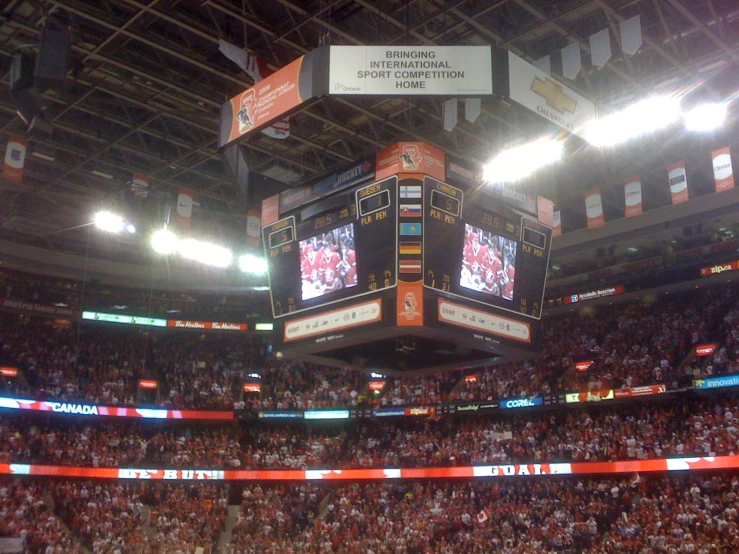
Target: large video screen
[
  {"x": 328, "y": 262},
  {"x": 488, "y": 263}
]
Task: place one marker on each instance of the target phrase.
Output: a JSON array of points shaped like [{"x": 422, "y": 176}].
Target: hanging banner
[
  {"x": 557, "y": 224},
  {"x": 15, "y": 158},
  {"x": 594, "y": 209},
  {"x": 140, "y": 185},
  {"x": 538, "y": 92},
  {"x": 678, "y": 178},
  {"x": 545, "y": 211},
  {"x": 450, "y": 114},
  {"x": 257, "y": 68},
  {"x": 183, "y": 215},
  {"x": 723, "y": 173},
  {"x": 633, "y": 199},
  {"x": 600, "y": 48},
  {"x": 571, "y": 60},
  {"x": 411, "y": 157},
  {"x": 631, "y": 36},
  {"x": 253, "y": 229},
  {"x": 417, "y": 70}
]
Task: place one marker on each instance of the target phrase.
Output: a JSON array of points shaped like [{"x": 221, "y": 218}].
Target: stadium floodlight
[
  {"x": 131, "y": 228},
  {"x": 108, "y": 221},
  {"x": 520, "y": 162},
  {"x": 164, "y": 242},
  {"x": 706, "y": 117},
  {"x": 206, "y": 253},
  {"x": 249, "y": 263},
  {"x": 641, "y": 118}
]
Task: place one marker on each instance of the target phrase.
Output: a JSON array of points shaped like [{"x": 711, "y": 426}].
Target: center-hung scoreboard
[{"x": 409, "y": 265}]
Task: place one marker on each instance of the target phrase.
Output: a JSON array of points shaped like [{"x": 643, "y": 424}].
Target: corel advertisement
[
  {"x": 73, "y": 408},
  {"x": 521, "y": 403}
]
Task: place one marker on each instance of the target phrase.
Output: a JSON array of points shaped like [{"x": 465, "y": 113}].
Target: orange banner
[
  {"x": 723, "y": 173},
  {"x": 147, "y": 384},
  {"x": 410, "y": 304},
  {"x": 270, "y": 210},
  {"x": 557, "y": 224},
  {"x": 15, "y": 158},
  {"x": 266, "y": 101},
  {"x": 411, "y": 157},
  {"x": 545, "y": 211},
  {"x": 678, "y": 178},
  {"x": 594, "y": 209}
]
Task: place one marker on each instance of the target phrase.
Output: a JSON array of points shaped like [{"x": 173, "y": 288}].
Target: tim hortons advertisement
[
  {"x": 411, "y": 70},
  {"x": 207, "y": 325},
  {"x": 540, "y": 93},
  {"x": 273, "y": 97}
]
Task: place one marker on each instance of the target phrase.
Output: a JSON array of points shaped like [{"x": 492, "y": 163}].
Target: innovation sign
[{"x": 717, "y": 382}]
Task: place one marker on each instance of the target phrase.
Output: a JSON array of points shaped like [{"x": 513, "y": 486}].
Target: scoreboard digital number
[
  {"x": 338, "y": 254},
  {"x": 483, "y": 251}
]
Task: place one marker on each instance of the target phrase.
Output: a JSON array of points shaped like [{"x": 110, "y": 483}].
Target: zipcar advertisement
[
  {"x": 114, "y": 411},
  {"x": 499, "y": 471}
]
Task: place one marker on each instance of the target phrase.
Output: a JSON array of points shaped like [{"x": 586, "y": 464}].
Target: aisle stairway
[
  {"x": 49, "y": 501},
  {"x": 231, "y": 520}
]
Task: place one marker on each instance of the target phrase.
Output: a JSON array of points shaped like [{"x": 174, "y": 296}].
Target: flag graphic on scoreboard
[
  {"x": 410, "y": 191},
  {"x": 410, "y": 210},
  {"x": 410, "y": 228},
  {"x": 410, "y": 266},
  {"x": 410, "y": 247}
]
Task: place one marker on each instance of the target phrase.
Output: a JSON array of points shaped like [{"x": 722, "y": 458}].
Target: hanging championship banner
[
  {"x": 722, "y": 170},
  {"x": 557, "y": 224},
  {"x": 257, "y": 69},
  {"x": 594, "y": 209},
  {"x": 15, "y": 158},
  {"x": 632, "y": 194},
  {"x": 183, "y": 215},
  {"x": 253, "y": 229},
  {"x": 678, "y": 178},
  {"x": 545, "y": 211}
]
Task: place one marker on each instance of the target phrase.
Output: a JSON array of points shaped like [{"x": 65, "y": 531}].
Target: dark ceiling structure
[{"x": 147, "y": 81}]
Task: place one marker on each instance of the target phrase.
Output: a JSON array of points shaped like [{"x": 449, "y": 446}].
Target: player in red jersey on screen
[
  {"x": 310, "y": 270},
  {"x": 510, "y": 274},
  {"x": 349, "y": 264},
  {"x": 492, "y": 270},
  {"x": 330, "y": 266}
]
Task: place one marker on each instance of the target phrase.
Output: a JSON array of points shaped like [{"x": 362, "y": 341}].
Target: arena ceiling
[{"x": 147, "y": 81}]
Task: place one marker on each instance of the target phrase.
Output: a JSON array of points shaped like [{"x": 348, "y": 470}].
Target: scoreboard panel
[
  {"x": 339, "y": 250},
  {"x": 479, "y": 249}
]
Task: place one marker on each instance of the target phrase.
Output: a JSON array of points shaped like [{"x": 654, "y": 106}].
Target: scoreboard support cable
[{"x": 406, "y": 273}]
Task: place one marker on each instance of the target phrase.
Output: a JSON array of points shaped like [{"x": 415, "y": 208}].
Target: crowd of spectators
[
  {"x": 704, "y": 427},
  {"x": 25, "y": 515},
  {"x": 671, "y": 515}
]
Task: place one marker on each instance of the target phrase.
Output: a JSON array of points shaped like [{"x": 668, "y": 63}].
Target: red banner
[
  {"x": 678, "y": 179},
  {"x": 470, "y": 379},
  {"x": 148, "y": 384},
  {"x": 640, "y": 391},
  {"x": 584, "y": 365},
  {"x": 74, "y": 408},
  {"x": 252, "y": 387},
  {"x": 9, "y": 371},
  {"x": 411, "y": 157},
  {"x": 723, "y": 174},
  {"x": 705, "y": 349},
  {"x": 545, "y": 211},
  {"x": 502, "y": 471},
  {"x": 719, "y": 268},
  {"x": 594, "y": 209},
  {"x": 207, "y": 325},
  {"x": 376, "y": 385},
  {"x": 421, "y": 411}
]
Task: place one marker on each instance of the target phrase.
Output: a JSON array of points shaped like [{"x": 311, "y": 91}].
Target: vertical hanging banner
[
  {"x": 253, "y": 229},
  {"x": 257, "y": 69},
  {"x": 472, "y": 109},
  {"x": 632, "y": 196},
  {"x": 545, "y": 211},
  {"x": 600, "y": 48},
  {"x": 15, "y": 158},
  {"x": 557, "y": 224},
  {"x": 631, "y": 37},
  {"x": 594, "y": 209},
  {"x": 544, "y": 64},
  {"x": 449, "y": 112},
  {"x": 571, "y": 60},
  {"x": 183, "y": 215},
  {"x": 140, "y": 185},
  {"x": 678, "y": 178},
  {"x": 723, "y": 173}
]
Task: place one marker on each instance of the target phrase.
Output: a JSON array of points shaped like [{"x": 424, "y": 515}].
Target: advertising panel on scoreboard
[
  {"x": 346, "y": 250},
  {"x": 481, "y": 250}
]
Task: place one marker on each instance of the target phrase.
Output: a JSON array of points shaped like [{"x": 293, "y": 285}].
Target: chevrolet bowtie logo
[{"x": 554, "y": 94}]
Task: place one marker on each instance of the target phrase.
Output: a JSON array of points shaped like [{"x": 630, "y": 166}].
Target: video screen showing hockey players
[
  {"x": 328, "y": 262},
  {"x": 488, "y": 263}
]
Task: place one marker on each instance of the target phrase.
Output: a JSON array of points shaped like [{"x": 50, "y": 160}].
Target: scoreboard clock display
[
  {"x": 341, "y": 248},
  {"x": 478, "y": 249}
]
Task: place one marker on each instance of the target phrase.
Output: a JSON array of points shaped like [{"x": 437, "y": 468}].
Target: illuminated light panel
[
  {"x": 164, "y": 242},
  {"x": 252, "y": 264},
  {"x": 707, "y": 117},
  {"x": 206, "y": 253},
  {"x": 520, "y": 162},
  {"x": 639, "y": 119},
  {"x": 108, "y": 221}
]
